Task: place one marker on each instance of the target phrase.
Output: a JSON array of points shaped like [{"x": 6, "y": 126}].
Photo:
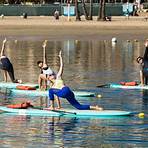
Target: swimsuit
[{"x": 6, "y": 65}]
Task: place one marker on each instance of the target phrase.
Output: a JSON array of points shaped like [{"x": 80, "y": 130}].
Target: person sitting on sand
[
  {"x": 7, "y": 66},
  {"x": 144, "y": 66},
  {"x": 45, "y": 69},
  {"x": 61, "y": 90}
]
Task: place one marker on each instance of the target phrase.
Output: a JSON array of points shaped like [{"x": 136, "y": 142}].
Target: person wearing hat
[{"x": 6, "y": 65}]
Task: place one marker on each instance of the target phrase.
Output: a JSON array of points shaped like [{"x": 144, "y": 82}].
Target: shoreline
[{"x": 133, "y": 28}]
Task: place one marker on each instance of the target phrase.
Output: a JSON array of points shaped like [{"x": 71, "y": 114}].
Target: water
[{"x": 86, "y": 64}]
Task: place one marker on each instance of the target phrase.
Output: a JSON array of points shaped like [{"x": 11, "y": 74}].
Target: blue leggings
[{"x": 65, "y": 92}]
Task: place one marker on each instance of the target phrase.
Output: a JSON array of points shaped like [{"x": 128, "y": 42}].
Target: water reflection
[
  {"x": 87, "y": 64},
  {"x": 145, "y": 100},
  {"x": 84, "y": 60}
]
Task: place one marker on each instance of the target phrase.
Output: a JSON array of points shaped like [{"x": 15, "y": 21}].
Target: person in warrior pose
[{"x": 61, "y": 90}]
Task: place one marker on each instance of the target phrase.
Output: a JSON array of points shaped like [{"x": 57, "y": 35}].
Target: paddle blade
[{"x": 103, "y": 85}]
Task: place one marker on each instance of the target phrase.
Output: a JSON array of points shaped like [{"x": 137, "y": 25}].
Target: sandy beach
[{"x": 121, "y": 27}]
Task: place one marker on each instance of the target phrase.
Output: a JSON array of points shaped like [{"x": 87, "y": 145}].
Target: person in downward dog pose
[
  {"x": 6, "y": 65},
  {"x": 61, "y": 90}
]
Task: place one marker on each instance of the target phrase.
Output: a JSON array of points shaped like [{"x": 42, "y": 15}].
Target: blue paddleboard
[
  {"x": 114, "y": 85},
  {"x": 34, "y": 93},
  {"x": 73, "y": 112},
  {"x": 11, "y": 85}
]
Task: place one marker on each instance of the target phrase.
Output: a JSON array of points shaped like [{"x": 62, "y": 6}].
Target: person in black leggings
[
  {"x": 145, "y": 64},
  {"x": 143, "y": 61},
  {"x": 6, "y": 65}
]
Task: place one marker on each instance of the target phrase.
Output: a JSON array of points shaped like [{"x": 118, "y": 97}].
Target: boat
[{"x": 64, "y": 112}]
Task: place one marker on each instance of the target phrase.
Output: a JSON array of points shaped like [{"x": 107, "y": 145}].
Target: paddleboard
[
  {"x": 73, "y": 112},
  {"x": 11, "y": 85},
  {"x": 114, "y": 85},
  {"x": 34, "y": 93}
]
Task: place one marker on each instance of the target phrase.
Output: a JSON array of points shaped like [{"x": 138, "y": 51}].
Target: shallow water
[{"x": 86, "y": 65}]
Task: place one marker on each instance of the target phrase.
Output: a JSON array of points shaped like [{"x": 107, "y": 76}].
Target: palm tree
[
  {"x": 84, "y": 10},
  {"x": 77, "y": 11},
  {"x": 91, "y": 10},
  {"x": 101, "y": 13}
]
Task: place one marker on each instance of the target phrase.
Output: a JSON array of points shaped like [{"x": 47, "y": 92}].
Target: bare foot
[
  {"x": 141, "y": 84},
  {"x": 58, "y": 108},
  {"x": 99, "y": 108},
  {"x": 49, "y": 108},
  {"x": 20, "y": 81},
  {"x": 96, "y": 108}
]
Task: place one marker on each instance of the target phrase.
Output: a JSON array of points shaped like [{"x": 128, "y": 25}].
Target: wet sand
[{"x": 39, "y": 26}]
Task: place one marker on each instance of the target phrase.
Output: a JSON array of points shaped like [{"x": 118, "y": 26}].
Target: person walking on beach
[
  {"x": 56, "y": 14},
  {"x": 61, "y": 90},
  {"x": 144, "y": 66},
  {"x": 6, "y": 65},
  {"x": 44, "y": 69}
]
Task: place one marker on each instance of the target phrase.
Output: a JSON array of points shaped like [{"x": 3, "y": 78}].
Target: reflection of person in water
[
  {"x": 57, "y": 124},
  {"x": 145, "y": 100}
]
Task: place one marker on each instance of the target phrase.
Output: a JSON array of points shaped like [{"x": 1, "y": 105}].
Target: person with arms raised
[
  {"x": 44, "y": 68},
  {"x": 6, "y": 65},
  {"x": 61, "y": 90}
]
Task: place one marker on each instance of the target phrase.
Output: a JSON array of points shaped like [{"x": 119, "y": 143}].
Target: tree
[
  {"x": 91, "y": 10},
  {"x": 77, "y": 11},
  {"x": 101, "y": 13},
  {"x": 84, "y": 10}
]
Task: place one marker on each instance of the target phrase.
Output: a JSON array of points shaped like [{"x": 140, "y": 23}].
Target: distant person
[
  {"x": 61, "y": 90},
  {"x": 144, "y": 66},
  {"x": 44, "y": 70},
  {"x": 7, "y": 66},
  {"x": 56, "y": 14}
]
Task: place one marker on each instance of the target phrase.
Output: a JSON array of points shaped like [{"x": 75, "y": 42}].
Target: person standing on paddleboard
[
  {"x": 7, "y": 66},
  {"x": 144, "y": 66},
  {"x": 61, "y": 90},
  {"x": 44, "y": 68}
]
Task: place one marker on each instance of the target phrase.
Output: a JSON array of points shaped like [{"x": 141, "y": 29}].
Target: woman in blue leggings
[{"x": 61, "y": 90}]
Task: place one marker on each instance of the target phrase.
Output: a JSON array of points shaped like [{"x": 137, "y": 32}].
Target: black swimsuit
[{"x": 6, "y": 65}]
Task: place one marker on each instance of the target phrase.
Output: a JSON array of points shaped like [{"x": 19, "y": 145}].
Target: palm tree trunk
[
  {"x": 91, "y": 10},
  {"x": 77, "y": 11},
  {"x": 101, "y": 13},
  {"x": 103, "y": 10},
  {"x": 84, "y": 10}
]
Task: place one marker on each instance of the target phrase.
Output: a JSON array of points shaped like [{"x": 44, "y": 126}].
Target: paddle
[
  {"x": 57, "y": 111},
  {"x": 103, "y": 85}
]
